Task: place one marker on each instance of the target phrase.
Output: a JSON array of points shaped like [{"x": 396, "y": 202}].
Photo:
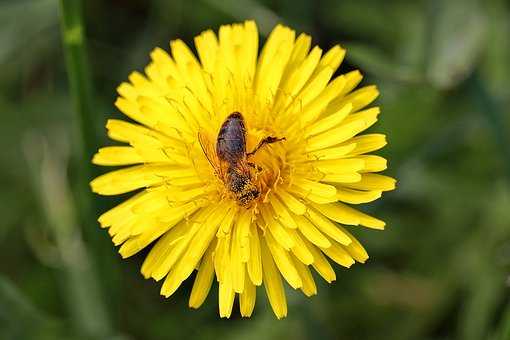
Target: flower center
[
  {"x": 248, "y": 179},
  {"x": 269, "y": 162}
]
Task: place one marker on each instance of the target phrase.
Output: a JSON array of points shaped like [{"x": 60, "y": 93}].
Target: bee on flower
[{"x": 245, "y": 166}]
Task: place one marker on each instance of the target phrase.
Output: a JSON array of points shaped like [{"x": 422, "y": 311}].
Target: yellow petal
[
  {"x": 339, "y": 255},
  {"x": 182, "y": 55},
  {"x": 329, "y": 122},
  {"x": 311, "y": 197},
  {"x": 332, "y": 59},
  {"x": 207, "y": 47},
  {"x": 189, "y": 228},
  {"x": 127, "y": 91},
  {"x": 311, "y": 233},
  {"x": 182, "y": 195},
  {"x": 373, "y": 163},
  {"x": 357, "y": 196},
  {"x": 237, "y": 266},
  {"x": 330, "y": 153},
  {"x": 335, "y": 136},
  {"x": 143, "y": 86},
  {"x": 318, "y": 105},
  {"x": 368, "y": 117},
  {"x": 355, "y": 249},
  {"x": 359, "y": 98},
  {"x": 247, "y": 299},
  {"x": 161, "y": 250},
  {"x": 226, "y": 223},
  {"x": 131, "y": 109},
  {"x": 244, "y": 221},
  {"x": 309, "y": 288},
  {"x": 283, "y": 262},
  {"x": 352, "y": 78},
  {"x": 222, "y": 258},
  {"x": 275, "y": 228},
  {"x": 344, "y": 214},
  {"x": 272, "y": 61},
  {"x": 327, "y": 227},
  {"x": 117, "y": 155},
  {"x": 135, "y": 177},
  {"x": 138, "y": 242},
  {"x": 311, "y": 91},
  {"x": 294, "y": 204},
  {"x": 203, "y": 280},
  {"x": 299, "y": 53},
  {"x": 170, "y": 285},
  {"x": 226, "y": 297},
  {"x": 373, "y": 182},
  {"x": 300, "y": 250},
  {"x": 367, "y": 143},
  {"x": 313, "y": 187},
  {"x": 239, "y": 47},
  {"x": 164, "y": 64},
  {"x": 321, "y": 264},
  {"x": 137, "y": 135},
  {"x": 200, "y": 241},
  {"x": 349, "y": 177},
  {"x": 273, "y": 284},
  {"x": 293, "y": 82},
  {"x": 254, "y": 264},
  {"x": 164, "y": 112},
  {"x": 340, "y": 166},
  {"x": 282, "y": 214},
  {"x": 123, "y": 210}
]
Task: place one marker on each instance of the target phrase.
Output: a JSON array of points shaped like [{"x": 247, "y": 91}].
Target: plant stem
[
  {"x": 84, "y": 139},
  {"x": 78, "y": 72}
]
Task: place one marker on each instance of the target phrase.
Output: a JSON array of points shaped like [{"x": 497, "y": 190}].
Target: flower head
[{"x": 245, "y": 166}]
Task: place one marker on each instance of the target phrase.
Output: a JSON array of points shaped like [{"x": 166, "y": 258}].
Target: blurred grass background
[{"x": 439, "y": 271}]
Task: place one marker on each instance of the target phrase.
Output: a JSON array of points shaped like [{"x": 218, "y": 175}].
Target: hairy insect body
[
  {"x": 231, "y": 141},
  {"x": 231, "y": 148},
  {"x": 241, "y": 185},
  {"x": 230, "y": 159}
]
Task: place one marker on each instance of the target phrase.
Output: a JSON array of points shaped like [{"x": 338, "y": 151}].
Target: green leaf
[{"x": 458, "y": 34}]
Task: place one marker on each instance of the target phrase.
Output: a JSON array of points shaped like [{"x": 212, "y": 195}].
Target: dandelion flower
[{"x": 237, "y": 214}]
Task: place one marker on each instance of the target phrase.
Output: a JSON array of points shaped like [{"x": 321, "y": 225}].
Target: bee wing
[{"x": 209, "y": 151}]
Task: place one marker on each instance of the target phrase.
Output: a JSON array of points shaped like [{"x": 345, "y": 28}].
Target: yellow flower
[{"x": 186, "y": 204}]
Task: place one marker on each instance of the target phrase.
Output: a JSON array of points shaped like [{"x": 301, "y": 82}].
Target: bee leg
[{"x": 267, "y": 140}]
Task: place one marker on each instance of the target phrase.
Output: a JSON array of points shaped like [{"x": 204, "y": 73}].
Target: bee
[{"x": 231, "y": 161}]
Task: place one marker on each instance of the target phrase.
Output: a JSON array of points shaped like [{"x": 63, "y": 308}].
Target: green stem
[
  {"x": 84, "y": 134},
  {"x": 84, "y": 139},
  {"x": 78, "y": 72}
]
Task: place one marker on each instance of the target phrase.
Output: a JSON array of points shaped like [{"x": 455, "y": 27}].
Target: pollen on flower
[{"x": 245, "y": 164}]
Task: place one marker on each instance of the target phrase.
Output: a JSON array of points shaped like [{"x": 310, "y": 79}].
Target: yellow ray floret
[{"x": 186, "y": 207}]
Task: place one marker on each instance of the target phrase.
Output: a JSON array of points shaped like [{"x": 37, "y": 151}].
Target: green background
[{"x": 439, "y": 271}]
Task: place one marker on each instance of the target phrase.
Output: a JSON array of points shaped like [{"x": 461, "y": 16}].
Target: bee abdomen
[{"x": 231, "y": 142}]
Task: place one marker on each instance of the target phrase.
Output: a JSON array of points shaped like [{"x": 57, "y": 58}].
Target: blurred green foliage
[{"x": 439, "y": 271}]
